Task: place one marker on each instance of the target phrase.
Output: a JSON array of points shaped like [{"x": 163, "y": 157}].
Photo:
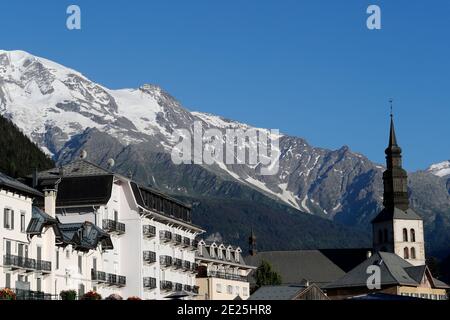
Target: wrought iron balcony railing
[
  {"x": 149, "y": 257},
  {"x": 113, "y": 226},
  {"x": 177, "y": 263},
  {"x": 186, "y": 265},
  {"x": 178, "y": 239},
  {"x": 149, "y": 231},
  {"x": 165, "y": 261},
  {"x": 165, "y": 236},
  {"x": 186, "y": 242},
  {"x": 166, "y": 285},
  {"x": 228, "y": 276},
  {"x": 149, "y": 283},
  {"x": 18, "y": 262},
  {"x": 98, "y": 276},
  {"x": 178, "y": 287}
]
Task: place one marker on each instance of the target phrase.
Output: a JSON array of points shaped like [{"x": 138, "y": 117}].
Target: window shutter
[
  {"x": 12, "y": 219},
  {"x": 5, "y": 219}
]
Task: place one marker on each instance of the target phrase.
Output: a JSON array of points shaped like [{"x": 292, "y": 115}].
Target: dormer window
[
  {"x": 219, "y": 253},
  {"x": 212, "y": 252},
  {"x": 228, "y": 254}
]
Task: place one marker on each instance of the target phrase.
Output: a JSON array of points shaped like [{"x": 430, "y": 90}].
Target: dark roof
[
  {"x": 388, "y": 214},
  {"x": 382, "y": 296},
  {"x": 84, "y": 236},
  {"x": 393, "y": 271},
  {"x": 39, "y": 219},
  {"x": 78, "y": 168},
  {"x": 6, "y": 182},
  {"x": 284, "y": 292},
  {"x": 317, "y": 266}
]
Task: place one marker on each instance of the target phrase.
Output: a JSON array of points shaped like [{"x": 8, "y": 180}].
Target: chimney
[
  {"x": 368, "y": 254},
  {"x": 50, "y": 202}
]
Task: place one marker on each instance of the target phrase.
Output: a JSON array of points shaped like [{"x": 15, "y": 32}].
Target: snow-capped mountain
[
  {"x": 441, "y": 169},
  {"x": 63, "y": 112}
]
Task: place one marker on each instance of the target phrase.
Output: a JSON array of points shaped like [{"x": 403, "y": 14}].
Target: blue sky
[{"x": 309, "y": 68}]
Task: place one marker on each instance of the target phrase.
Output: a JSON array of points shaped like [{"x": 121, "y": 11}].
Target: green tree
[{"x": 266, "y": 276}]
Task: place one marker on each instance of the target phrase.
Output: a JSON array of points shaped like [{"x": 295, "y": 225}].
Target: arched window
[
  {"x": 412, "y": 235},
  {"x": 413, "y": 253},
  {"x": 380, "y": 236},
  {"x": 385, "y": 235},
  {"x": 405, "y": 235},
  {"x": 406, "y": 253}
]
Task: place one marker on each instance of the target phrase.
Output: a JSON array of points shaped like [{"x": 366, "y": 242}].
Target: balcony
[
  {"x": 165, "y": 261},
  {"x": 149, "y": 231},
  {"x": 149, "y": 283},
  {"x": 194, "y": 268},
  {"x": 178, "y": 263},
  {"x": 177, "y": 239},
  {"x": 178, "y": 287},
  {"x": 186, "y": 242},
  {"x": 33, "y": 295},
  {"x": 228, "y": 276},
  {"x": 98, "y": 276},
  {"x": 26, "y": 264},
  {"x": 187, "y": 288},
  {"x": 195, "y": 289},
  {"x": 149, "y": 257},
  {"x": 43, "y": 266},
  {"x": 186, "y": 266},
  {"x": 113, "y": 226},
  {"x": 165, "y": 236},
  {"x": 115, "y": 280},
  {"x": 166, "y": 285},
  {"x": 194, "y": 245}
]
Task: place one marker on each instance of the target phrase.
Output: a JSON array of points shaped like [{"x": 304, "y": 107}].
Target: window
[
  {"x": 57, "y": 259},
  {"x": 80, "y": 264},
  {"x": 8, "y": 219},
  {"x": 219, "y": 253},
  {"x": 236, "y": 256},
  {"x": 405, "y": 235},
  {"x": 245, "y": 291},
  {"x": 212, "y": 253},
  {"x": 67, "y": 254},
  {"x": 412, "y": 235},
  {"x": 406, "y": 253},
  {"x": 218, "y": 288},
  {"x": 238, "y": 291},
  {"x": 413, "y": 253},
  {"x": 22, "y": 221},
  {"x": 230, "y": 289},
  {"x": 94, "y": 264},
  {"x": 38, "y": 284},
  {"x": 8, "y": 280}
]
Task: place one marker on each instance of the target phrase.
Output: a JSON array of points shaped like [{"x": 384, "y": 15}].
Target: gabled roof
[
  {"x": 317, "y": 266},
  {"x": 388, "y": 214},
  {"x": 11, "y": 184},
  {"x": 393, "y": 271},
  {"x": 286, "y": 292},
  {"x": 39, "y": 220},
  {"x": 78, "y": 168},
  {"x": 84, "y": 236}
]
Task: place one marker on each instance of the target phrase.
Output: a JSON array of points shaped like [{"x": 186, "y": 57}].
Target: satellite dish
[
  {"x": 83, "y": 154},
  {"x": 111, "y": 162}
]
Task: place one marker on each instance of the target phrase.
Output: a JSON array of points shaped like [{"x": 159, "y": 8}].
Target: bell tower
[{"x": 397, "y": 228}]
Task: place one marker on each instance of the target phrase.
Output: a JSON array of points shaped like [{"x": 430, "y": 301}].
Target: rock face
[{"x": 64, "y": 112}]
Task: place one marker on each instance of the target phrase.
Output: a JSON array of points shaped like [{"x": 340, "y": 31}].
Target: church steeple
[{"x": 395, "y": 178}]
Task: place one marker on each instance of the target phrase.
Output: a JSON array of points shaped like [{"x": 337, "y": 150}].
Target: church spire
[{"x": 395, "y": 177}]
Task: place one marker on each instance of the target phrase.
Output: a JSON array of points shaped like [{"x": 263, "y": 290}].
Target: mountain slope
[
  {"x": 64, "y": 112},
  {"x": 19, "y": 155}
]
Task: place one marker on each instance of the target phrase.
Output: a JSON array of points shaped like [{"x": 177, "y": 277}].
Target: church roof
[
  {"x": 393, "y": 271},
  {"x": 388, "y": 214},
  {"x": 317, "y": 266}
]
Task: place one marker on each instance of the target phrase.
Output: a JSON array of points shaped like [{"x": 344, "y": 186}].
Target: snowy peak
[{"x": 441, "y": 169}]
